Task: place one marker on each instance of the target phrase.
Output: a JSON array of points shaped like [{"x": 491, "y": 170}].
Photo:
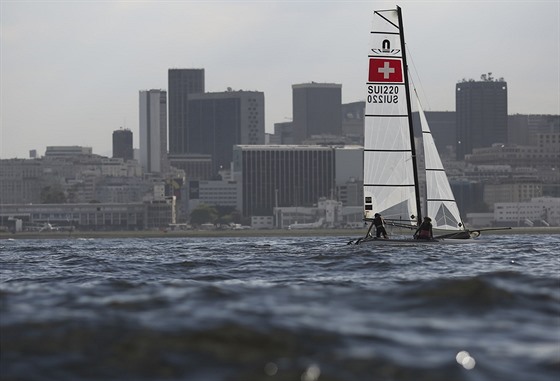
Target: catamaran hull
[{"x": 410, "y": 241}]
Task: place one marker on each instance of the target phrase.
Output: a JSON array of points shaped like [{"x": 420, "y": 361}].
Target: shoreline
[{"x": 353, "y": 233}]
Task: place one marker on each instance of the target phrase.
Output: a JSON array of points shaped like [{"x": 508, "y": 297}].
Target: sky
[{"x": 71, "y": 71}]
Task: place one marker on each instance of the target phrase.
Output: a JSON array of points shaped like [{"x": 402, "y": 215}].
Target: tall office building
[
  {"x": 218, "y": 121},
  {"x": 443, "y": 127},
  {"x": 283, "y": 175},
  {"x": 181, "y": 83},
  {"x": 481, "y": 112},
  {"x": 122, "y": 144},
  {"x": 353, "y": 121},
  {"x": 316, "y": 110},
  {"x": 283, "y": 132},
  {"x": 153, "y": 131}
]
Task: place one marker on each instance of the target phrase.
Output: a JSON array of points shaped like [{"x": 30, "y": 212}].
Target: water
[{"x": 279, "y": 309}]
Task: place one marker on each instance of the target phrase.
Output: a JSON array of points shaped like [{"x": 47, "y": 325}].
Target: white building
[
  {"x": 67, "y": 151},
  {"x": 262, "y": 222},
  {"x": 540, "y": 211},
  {"x": 153, "y": 131},
  {"x": 117, "y": 167},
  {"x": 214, "y": 193},
  {"x": 326, "y": 214}
]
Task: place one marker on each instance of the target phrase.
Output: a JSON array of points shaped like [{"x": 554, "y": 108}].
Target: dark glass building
[
  {"x": 218, "y": 121},
  {"x": 196, "y": 166},
  {"x": 181, "y": 83},
  {"x": 283, "y": 175},
  {"x": 481, "y": 112},
  {"x": 122, "y": 144},
  {"x": 443, "y": 127},
  {"x": 317, "y": 109}
]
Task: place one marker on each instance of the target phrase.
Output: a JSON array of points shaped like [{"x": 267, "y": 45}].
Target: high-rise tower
[
  {"x": 122, "y": 144},
  {"x": 218, "y": 121},
  {"x": 317, "y": 109},
  {"x": 481, "y": 114},
  {"x": 153, "y": 130},
  {"x": 181, "y": 83}
]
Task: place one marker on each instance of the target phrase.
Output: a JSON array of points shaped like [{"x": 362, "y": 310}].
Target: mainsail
[
  {"x": 441, "y": 204},
  {"x": 390, "y": 171}
]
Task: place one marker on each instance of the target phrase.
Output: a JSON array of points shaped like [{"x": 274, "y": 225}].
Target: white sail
[
  {"x": 390, "y": 169},
  {"x": 389, "y": 179},
  {"x": 441, "y": 204}
]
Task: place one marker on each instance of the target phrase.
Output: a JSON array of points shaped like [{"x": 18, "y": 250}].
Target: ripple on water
[{"x": 278, "y": 308}]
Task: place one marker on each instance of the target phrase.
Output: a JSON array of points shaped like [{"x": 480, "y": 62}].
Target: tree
[
  {"x": 203, "y": 214},
  {"x": 53, "y": 194}
]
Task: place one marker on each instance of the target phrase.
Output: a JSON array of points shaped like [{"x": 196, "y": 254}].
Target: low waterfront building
[
  {"x": 540, "y": 211},
  {"x": 325, "y": 214},
  {"x": 92, "y": 216}
]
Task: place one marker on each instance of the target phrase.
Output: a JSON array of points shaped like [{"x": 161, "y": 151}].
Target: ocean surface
[{"x": 277, "y": 308}]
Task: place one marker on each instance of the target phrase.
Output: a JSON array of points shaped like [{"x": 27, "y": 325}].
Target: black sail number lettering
[{"x": 383, "y": 94}]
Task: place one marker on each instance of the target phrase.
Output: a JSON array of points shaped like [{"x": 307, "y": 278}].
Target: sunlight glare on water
[
  {"x": 312, "y": 373},
  {"x": 270, "y": 369},
  {"x": 465, "y": 359}
]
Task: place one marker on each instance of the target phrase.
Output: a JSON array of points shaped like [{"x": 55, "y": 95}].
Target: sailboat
[{"x": 390, "y": 168}]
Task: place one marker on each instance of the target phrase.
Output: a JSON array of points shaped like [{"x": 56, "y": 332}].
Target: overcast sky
[{"x": 71, "y": 70}]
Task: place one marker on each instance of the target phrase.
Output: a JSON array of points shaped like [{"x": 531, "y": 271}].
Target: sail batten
[
  {"x": 390, "y": 185},
  {"x": 373, "y": 32},
  {"x": 387, "y": 116},
  {"x": 386, "y": 150}
]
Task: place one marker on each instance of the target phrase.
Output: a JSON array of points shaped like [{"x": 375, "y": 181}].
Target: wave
[
  {"x": 278, "y": 308},
  {"x": 502, "y": 289},
  {"x": 67, "y": 350}
]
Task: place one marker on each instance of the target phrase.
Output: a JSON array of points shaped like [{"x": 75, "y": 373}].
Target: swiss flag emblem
[{"x": 385, "y": 70}]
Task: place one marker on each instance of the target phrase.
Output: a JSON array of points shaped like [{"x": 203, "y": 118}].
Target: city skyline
[{"x": 70, "y": 73}]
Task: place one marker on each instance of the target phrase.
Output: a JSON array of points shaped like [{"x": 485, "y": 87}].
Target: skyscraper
[
  {"x": 181, "y": 83},
  {"x": 316, "y": 110},
  {"x": 481, "y": 112},
  {"x": 122, "y": 144},
  {"x": 283, "y": 175},
  {"x": 218, "y": 121},
  {"x": 153, "y": 130}
]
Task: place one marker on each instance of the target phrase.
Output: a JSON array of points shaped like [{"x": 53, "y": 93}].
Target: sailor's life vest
[{"x": 424, "y": 234}]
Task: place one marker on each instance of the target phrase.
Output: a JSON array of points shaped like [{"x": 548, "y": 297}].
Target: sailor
[
  {"x": 378, "y": 221},
  {"x": 424, "y": 231}
]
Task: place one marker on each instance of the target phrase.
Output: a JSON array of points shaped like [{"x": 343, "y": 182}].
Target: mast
[{"x": 410, "y": 127}]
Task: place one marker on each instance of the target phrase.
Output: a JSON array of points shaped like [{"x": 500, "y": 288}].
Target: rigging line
[{"x": 417, "y": 76}]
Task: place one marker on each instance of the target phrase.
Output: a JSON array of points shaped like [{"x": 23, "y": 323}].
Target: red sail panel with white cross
[{"x": 385, "y": 70}]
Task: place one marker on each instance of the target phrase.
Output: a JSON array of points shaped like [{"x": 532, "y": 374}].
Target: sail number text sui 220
[{"x": 382, "y": 94}]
